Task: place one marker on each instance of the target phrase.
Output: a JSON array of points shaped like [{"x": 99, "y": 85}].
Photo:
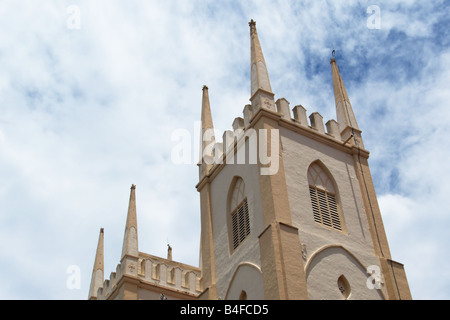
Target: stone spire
[
  {"x": 345, "y": 115},
  {"x": 261, "y": 90},
  {"x": 207, "y": 138},
  {"x": 130, "y": 239},
  {"x": 259, "y": 74},
  {"x": 207, "y": 122},
  {"x": 98, "y": 270}
]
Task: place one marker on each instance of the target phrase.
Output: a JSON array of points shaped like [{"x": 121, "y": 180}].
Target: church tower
[
  {"x": 288, "y": 211},
  {"x": 288, "y": 206}
]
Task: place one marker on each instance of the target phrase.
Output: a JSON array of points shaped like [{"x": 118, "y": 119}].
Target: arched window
[
  {"x": 323, "y": 198},
  {"x": 240, "y": 220},
  {"x": 243, "y": 295}
]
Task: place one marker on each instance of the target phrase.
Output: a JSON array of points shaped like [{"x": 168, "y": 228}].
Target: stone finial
[
  {"x": 169, "y": 252},
  {"x": 252, "y": 25}
]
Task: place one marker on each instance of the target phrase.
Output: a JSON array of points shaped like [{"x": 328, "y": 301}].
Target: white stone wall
[
  {"x": 299, "y": 152},
  {"x": 227, "y": 261}
]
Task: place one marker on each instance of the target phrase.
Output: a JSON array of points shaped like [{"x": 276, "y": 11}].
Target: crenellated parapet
[
  {"x": 170, "y": 274},
  {"x": 159, "y": 273},
  {"x": 109, "y": 285},
  {"x": 242, "y": 128}
]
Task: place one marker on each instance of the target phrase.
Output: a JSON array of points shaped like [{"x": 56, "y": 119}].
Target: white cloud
[{"x": 418, "y": 238}]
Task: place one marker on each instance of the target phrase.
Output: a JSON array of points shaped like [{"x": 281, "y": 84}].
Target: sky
[{"x": 91, "y": 93}]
